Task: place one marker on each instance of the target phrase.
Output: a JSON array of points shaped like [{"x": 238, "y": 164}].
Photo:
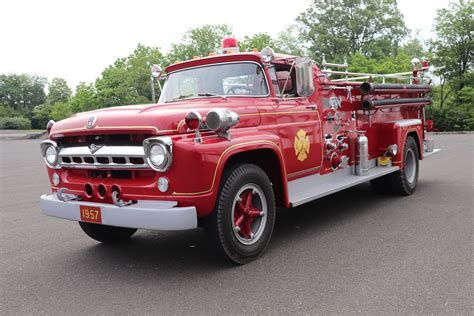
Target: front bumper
[{"x": 158, "y": 215}]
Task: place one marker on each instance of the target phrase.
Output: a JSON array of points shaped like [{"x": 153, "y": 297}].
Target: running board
[
  {"x": 427, "y": 154},
  {"x": 313, "y": 187}
]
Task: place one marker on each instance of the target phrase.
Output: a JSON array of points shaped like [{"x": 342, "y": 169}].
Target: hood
[{"x": 154, "y": 119}]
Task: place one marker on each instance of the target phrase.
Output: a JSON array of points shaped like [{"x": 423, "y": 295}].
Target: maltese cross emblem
[{"x": 301, "y": 145}]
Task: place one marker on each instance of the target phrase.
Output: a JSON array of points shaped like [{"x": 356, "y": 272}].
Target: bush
[
  {"x": 15, "y": 123},
  {"x": 41, "y": 116},
  {"x": 6, "y": 111},
  {"x": 452, "y": 118}
]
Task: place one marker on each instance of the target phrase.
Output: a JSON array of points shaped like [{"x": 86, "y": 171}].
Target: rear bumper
[{"x": 158, "y": 215}]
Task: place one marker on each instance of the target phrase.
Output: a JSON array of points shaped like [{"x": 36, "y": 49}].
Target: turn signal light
[{"x": 193, "y": 120}]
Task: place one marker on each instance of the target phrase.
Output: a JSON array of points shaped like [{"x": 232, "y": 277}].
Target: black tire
[
  {"x": 404, "y": 182},
  {"x": 244, "y": 243},
  {"x": 107, "y": 234}
]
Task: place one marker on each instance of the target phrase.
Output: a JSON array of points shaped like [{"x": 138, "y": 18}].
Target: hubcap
[
  {"x": 249, "y": 212},
  {"x": 410, "y": 166}
]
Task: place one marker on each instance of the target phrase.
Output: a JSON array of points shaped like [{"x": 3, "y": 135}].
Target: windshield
[{"x": 233, "y": 79}]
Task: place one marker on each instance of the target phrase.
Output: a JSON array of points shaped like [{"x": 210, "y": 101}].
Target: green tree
[
  {"x": 414, "y": 47},
  {"x": 85, "y": 98},
  {"x": 22, "y": 92},
  {"x": 58, "y": 91},
  {"x": 291, "y": 42},
  {"x": 60, "y": 111},
  {"x": 127, "y": 81},
  {"x": 199, "y": 42},
  {"x": 337, "y": 28},
  {"x": 41, "y": 114},
  {"x": 453, "y": 50},
  {"x": 258, "y": 41},
  {"x": 386, "y": 65}
]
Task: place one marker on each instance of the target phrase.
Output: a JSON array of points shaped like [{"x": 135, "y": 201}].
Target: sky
[{"x": 77, "y": 39}]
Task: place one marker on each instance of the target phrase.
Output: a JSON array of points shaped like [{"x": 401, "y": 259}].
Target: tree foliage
[
  {"x": 337, "y": 28},
  {"x": 199, "y": 42},
  {"x": 453, "y": 52},
  {"x": 22, "y": 92},
  {"x": 453, "y": 47},
  {"x": 127, "y": 81},
  {"x": 58, "y": 91},
  {"x": 258, "y": 41},
  {"x": 85, "y": 98},
  {"x": 291, "y": 42},
  {"x": 385, "y": 65}
]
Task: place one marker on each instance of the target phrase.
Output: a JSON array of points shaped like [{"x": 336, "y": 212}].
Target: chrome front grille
[{"x": 103, "y": 157}]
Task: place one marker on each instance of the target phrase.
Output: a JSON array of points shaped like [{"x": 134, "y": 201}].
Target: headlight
[
  {"x": 50, "y": 155},
  {"x": 50, "y": 152},
  {"x": 159, "y": 152}
]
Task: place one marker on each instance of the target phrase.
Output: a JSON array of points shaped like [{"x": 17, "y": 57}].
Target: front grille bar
[{"x": 105, "y": 157}]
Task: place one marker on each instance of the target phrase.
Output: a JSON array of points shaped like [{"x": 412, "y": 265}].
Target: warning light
[
  {"x": 229, "y": 46},
  {"x": 229, "y": 42}
]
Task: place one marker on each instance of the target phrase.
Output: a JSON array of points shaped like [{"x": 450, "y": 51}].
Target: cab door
[{"x": 299, "y": 127}]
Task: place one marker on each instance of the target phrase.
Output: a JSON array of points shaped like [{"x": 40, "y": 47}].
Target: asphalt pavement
[{"x": 350, "y": 253}]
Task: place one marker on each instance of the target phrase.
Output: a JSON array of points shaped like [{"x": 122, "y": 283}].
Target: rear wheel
[
  {"x": 242, "y": 223},
  {"x": 107, "y": 234},
  {"x": 404, "y": 181}
]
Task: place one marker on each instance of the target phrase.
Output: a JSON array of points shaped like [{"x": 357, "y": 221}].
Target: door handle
[{"x": 311, "y": 106}]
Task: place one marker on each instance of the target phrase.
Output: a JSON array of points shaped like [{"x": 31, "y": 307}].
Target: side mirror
[
  {"x": 304, "y": 76},
  {"x": 156, "y": 71}
]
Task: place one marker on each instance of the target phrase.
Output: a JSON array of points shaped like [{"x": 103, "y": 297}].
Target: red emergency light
[{"x": 229, "y": 42}]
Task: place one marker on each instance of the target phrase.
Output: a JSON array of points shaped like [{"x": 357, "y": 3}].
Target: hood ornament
[
  {"x": 91, "y": 121},
  {"x": 93, "y": 148}
]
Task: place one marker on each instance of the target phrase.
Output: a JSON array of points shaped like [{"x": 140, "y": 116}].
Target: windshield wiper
[
  {"x": 179, "y": 98},
  {"x": 208, "y": 94}
]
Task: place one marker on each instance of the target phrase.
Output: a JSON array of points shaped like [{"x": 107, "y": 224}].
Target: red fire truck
[{"x": 232, "y": 137}]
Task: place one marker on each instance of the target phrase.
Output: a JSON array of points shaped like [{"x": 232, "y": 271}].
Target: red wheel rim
[{"x": 248, "y": 214}]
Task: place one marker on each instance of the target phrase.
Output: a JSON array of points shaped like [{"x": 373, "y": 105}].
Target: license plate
[
  {"x": 91, "y": 214},
  {"x": 383, "y": 161}
]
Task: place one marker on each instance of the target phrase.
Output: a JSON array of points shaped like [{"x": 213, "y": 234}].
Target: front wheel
[
  {"x": 242, "y": 223},
  {"x": 107, "y": 234}
]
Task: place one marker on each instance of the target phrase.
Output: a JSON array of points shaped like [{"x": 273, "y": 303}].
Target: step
[
  {"x": 313, "y": 187},
  {"x": 427, "y": 154}
]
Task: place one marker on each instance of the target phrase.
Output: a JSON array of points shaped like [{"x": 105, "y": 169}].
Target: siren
[{"x": 229, "y": 46}]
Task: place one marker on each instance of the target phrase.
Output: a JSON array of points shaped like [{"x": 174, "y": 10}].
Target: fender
[
  {"x": 211, "y": 156},
  {"x": 396, "y": 132}
]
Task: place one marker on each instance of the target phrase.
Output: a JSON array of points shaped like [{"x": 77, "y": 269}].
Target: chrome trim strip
[
  {"x": 75, "y": 165},
  {"x": 116, "y": 151},
  {"x": 105, "y": 152}
]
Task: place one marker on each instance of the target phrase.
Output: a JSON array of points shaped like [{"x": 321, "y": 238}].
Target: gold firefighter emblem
[{"x": 301, "y": 145}]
